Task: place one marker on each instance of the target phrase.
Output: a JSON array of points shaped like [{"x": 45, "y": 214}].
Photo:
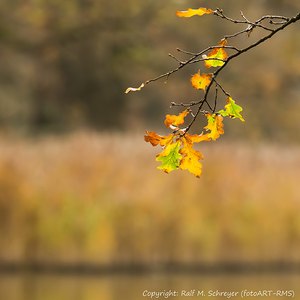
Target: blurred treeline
[{"x": 66, "y": 64}]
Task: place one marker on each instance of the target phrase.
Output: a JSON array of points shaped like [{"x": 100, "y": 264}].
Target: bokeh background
[{"x": 78, "y": 185}]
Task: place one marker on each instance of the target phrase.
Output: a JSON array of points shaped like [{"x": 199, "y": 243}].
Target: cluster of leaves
[
  {"x": 178, "y": 151},
  {"x": 178, "y": 147}
]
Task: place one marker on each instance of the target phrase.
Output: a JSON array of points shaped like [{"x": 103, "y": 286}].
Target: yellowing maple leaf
[
  {"x": 191, "y": 158},
  {"x": 194, "y": 12},
  {"x": 215, "y": 126},
  {"x": 170, "y": 157},
  {"x": 232, "y": 110},
  {"x": 156, "y": 139},
  {"x": 218, "y": 56},
  {"x": 176, "y": 120},
  {"x": 200, "y": 82}
]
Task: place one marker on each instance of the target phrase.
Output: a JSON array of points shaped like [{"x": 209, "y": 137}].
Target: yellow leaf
[
  {"x": 190, "y": 158},
  {"x": 200, "y": 82},
  {"x": 194, "y": 12},
  {"x": 154, "y": 139},
  {"x": 176, "y": 120},
  {"x": 218, "y": 56},
  {"x": 131, "y": 89},
  {"x": 215, "y": 126}
]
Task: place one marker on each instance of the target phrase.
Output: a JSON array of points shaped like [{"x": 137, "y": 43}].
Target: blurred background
[{"x": 79, "y": 189}]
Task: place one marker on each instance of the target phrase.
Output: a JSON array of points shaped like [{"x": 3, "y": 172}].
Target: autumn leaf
[
  {"x": 201, "y": 81},
  {"x": 179, "y": 154},
  {"x": 176, "y": 120},
  {"x": 155, "y": 139},
  {"x": 197, "y": 138},
  {"x": 170, "y": 157},
  {"x": 232, "y": 110},
  {"x": 218, "y": 56},
  {"x": 194, "y": 12},
  {"x": 131, "y": 89},
  {"x": 190, "y": 158},
  {"x": 215, "y": 126}
]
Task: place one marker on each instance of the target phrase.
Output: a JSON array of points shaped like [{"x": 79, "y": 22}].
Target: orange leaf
[
  {"x": 200, "y": 82},
  {"x": 176, "y": 120},
  {"x": 215, "y": 125},
  {"x": 154, "y": 139},
  {"x": 194, "y": 12},
  {"x": 190, "y": 158},
  {"x": 197, "y": 138},
  {"x": 223, "y": 43}
]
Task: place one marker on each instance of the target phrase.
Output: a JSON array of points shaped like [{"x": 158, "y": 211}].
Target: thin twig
[
  {"x": 186, "y": 52},
  {"x": 174, "y": 57},
  {"x": 220, "y": 86},
  {"x": 216, "y": 98}
]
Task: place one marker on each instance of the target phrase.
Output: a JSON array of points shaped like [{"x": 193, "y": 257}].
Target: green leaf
[
  {"x": 170, "y": 157},
  {"x": 232, "y": 110}
]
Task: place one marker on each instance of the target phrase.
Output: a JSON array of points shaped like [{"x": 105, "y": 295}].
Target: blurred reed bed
[{"x": 98, "y": 198}]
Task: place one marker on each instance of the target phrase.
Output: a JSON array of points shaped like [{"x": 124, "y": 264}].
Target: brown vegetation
[{"x": 99, "y": 198}]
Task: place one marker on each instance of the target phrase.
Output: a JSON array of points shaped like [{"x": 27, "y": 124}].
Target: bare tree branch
[{"x": 278, "y": 23}]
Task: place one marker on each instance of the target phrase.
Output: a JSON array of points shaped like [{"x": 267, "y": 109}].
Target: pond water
[{"x": 136, "y": 287}]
